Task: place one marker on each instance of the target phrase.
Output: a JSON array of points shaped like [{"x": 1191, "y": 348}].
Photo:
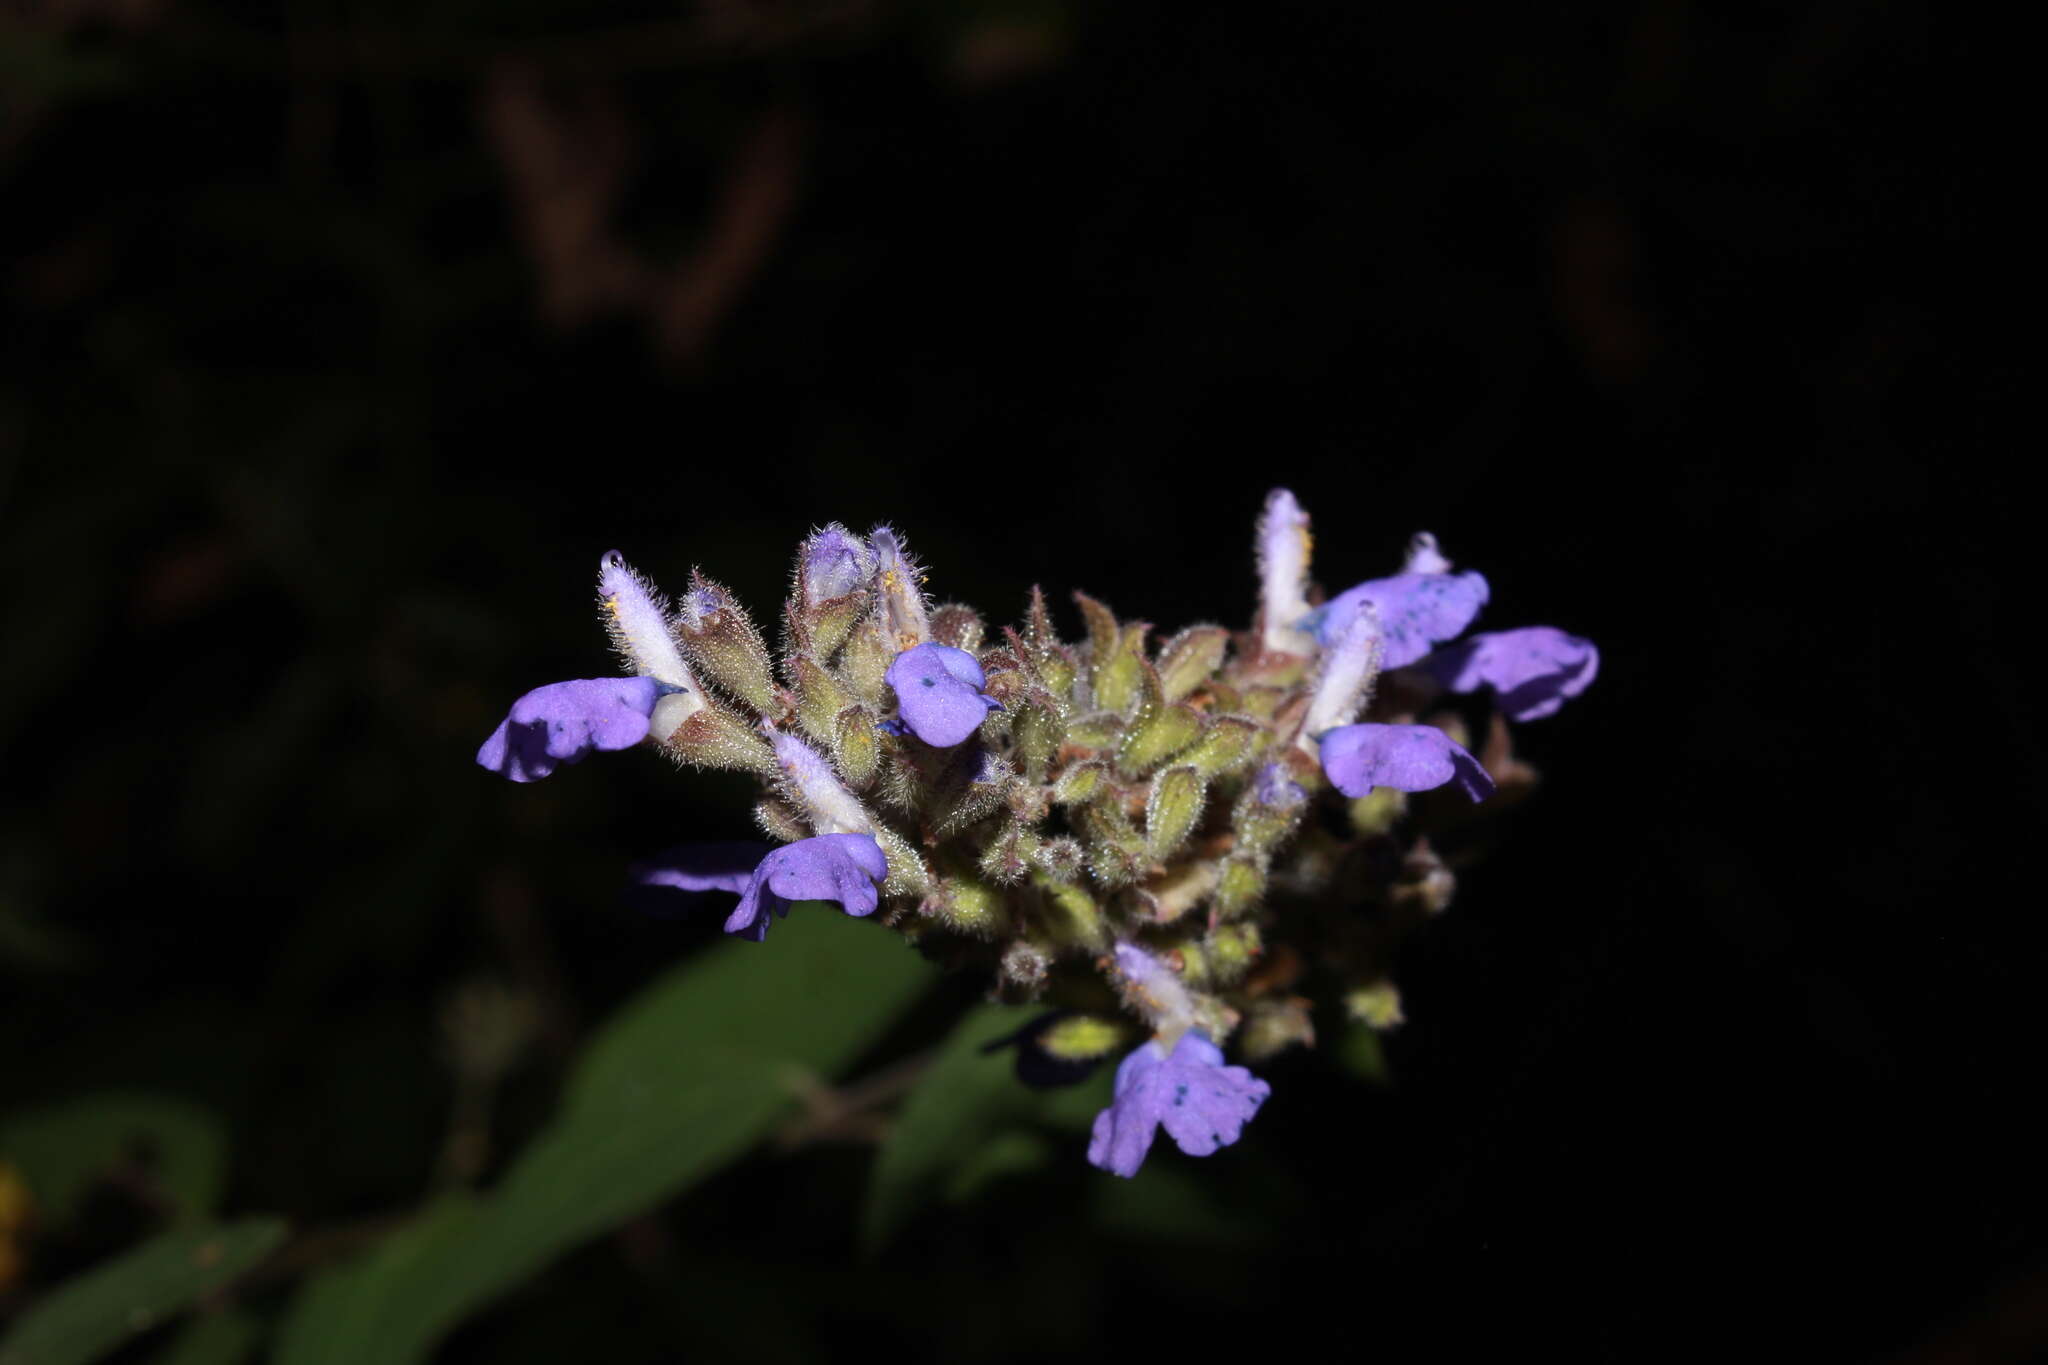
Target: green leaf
[
  {"x": 969, "y": 1121},
  {"x": 226, "y": 1338},
  {"x": 63, "y": 1149},
  {"x": 684, "y": 1079},
  {"x": 84, "y": 1318}
]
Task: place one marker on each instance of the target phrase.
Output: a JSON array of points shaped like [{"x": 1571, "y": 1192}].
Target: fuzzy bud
[
  {"x": 856, "y": 745},
  {"x": 1036, "y": 728},
  {"x": 820, "y": 698},
  {"x": 1084, "y": 1037},
  {"x": 1023, "y": 967},
  {"x": 810, "y": 784},
  {"x": 722, "y": 640},
  {"x": 832, "y": 565},
  {"x": 1190, "y": 659},
  {"x": 864, "y": 663},
  {"x": 637, "y": 620},
  {"x": 1156, "y": 737},
  {"x": 1224, "y": 746},
  {"x": 713, "y": 737},
  {"x": 1269, "y": 809},
  {"x": 1377, "y": 1006},
  {"x": 1240, "y": 886},
  {"x": 1069, "y": 916},
  {"x": 1273, "y": 1026},
  {"x": 1173, "y": 809},
  {"x": 1284, "y": 546},
  {"x": 958, "y": 626},
  {"x": 899, "y": 585},
  {"x": 1080, "y": 783}
]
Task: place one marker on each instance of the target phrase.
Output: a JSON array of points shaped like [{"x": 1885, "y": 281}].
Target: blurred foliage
[
  {"x": 683, "y": 1078},
  {"x": 340, "y": 341},
  {"x": 92, "y": 1314},
  {"x": 177, "y": 1149}
]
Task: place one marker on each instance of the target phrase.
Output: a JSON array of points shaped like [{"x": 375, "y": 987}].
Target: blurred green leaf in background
[{"x": 684, "y": 1079}]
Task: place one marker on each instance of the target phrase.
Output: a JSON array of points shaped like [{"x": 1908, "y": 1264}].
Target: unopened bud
[
  {"x": 899, "y": 583},
  {"x": 1173, "y": 809},
  {"x": 856, "y": 745},
  {"x": 1024, "y": 965},
  {"x": 1069, "y": 916},
  {"x": 1239, "y": 889},
  {"x": 1273, "y": 1026},
  {"x": 1377, "y": 1006},
  {"x": 957, "y": 625},
  {"x": 721, "y": 639},
  {"x": 714, "y": 737},
  {"x": 1036, "y": 730},
  {"x": 1156, "y": 737},
  {"x": 1190, "y": 659},
  {"x": 1080, "y": 783}
]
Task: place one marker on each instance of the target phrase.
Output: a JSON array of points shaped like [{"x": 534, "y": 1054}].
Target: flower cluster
[{"x": 1115, "y": 826}]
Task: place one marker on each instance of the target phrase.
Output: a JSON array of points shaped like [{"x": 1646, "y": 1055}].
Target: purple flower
[
  {"x": 725, "y": 866},
  {"x": 1273, "y": 787},
  {"x": 1284, "y": 544},
  {"x": 938, "y": 691},
  {"x": 1202, "y": 1103},
  {"x": 1534, "y": 669},
  {"x": 830, "y": 867},
  {"x": 834, "y": 562},
  {"x": 1416, "y": 611},
  {"x": 1409, "y": 758},
  {"x": 563, "y": 721}
]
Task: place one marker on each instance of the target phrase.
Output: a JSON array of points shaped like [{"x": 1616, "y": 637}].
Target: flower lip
[
  {"x": 938, "y": 693},
  {"x": 1534, "y": 670},
  {"x": 562, "y": 722},
  {"x": 1409, "y": 758},
  {"x": 1416, "y": 612},
  {"x": 1202, "y": 1103},
  {"x": 830, "y": 867}
]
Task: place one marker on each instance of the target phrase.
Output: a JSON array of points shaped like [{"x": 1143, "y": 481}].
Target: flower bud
[
  {"x": 856, "y": 745},
  {"x": 1239, "y": 888},
  {"x": 899, "y": 585},
  {"x": 832, "y": 565},
  {"x": 958, "y": 626},
  {"x": 1173, "y": 809},
  {"x": 1036, "y": 728},
  {"x": 810, "y": 784},
  {"x": 1190, "y": 659},
  {"x": 1069, "y": 916},
  {"x": 1079, "y": 784},
  {"x": 722, "y": 640},
  {"x": 1272, "y": 1026},
  {"x": 820, "y": 698},
  {"x": 1284, "y": 545},
  {"x": 1224, "y": 746},
  {"x": 1377, "y": 1006},
  {"x": 714, "y": 737},
  {"x": 1156, "y": 736}
]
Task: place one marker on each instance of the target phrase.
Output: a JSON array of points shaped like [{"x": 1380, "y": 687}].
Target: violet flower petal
[
  {"x": 1409, "y": 758},
  {"x": 563, "y": 721},
  {"x": 1416, "y": 610},
  {"x": 938, "y": 692},
  {"x": 834, "y": 562},
  {"x": 723, "y": 866},
  {"x": 1203, "y": 1104},
  {"x": 1535, "y": 669},
  {"x": 831, "y": 867}
]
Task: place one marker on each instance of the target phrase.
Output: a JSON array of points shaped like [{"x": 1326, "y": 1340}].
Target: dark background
[{"x": 340, "y": 344}]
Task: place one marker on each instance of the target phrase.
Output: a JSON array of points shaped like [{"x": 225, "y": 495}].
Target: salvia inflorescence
[{"x": 1159, "y": 840}]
